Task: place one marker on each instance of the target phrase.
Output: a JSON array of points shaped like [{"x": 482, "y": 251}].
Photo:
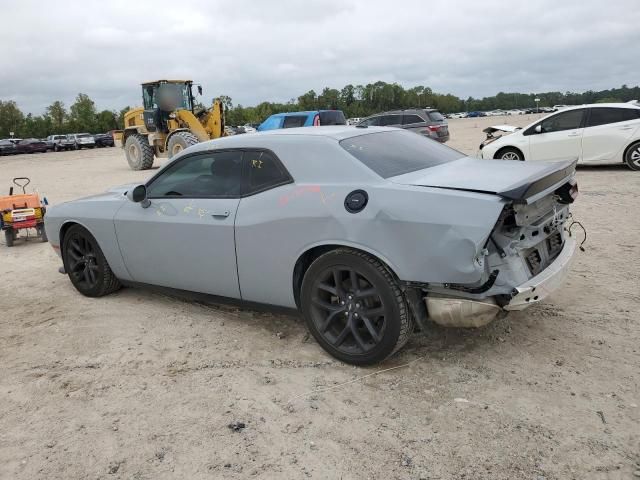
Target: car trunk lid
[{"x": 520, "y": 182}]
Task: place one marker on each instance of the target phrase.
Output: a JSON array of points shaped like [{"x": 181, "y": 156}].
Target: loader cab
[{"x": 162, "y": 98}]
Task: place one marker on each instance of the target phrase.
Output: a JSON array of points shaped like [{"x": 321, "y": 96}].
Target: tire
[
  {"x": 55, "y": 148},
  {"x": 179, "y": 141},
  {"x": 632, "y": 156},
  {"x": 509, "y": 154},
  {"x": 43, "y": 233},
  {"x": 9, "y": 236},
  {"x": 341, "y": 316},
  {"x": 138, "y": 151},
  {"x": 86, "y": 265}
]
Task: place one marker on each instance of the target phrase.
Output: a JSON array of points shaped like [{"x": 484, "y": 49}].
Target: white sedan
[{"x": 597, "y": 133}]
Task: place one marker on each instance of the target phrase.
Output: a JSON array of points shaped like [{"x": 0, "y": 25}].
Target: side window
[
  {"x": 563, "y": 121},
  {"x": 388, "y": 120},
  {"x": 371, "y": 122},
  {"x": 294, "y": 121},
  {"x": 213, "y": 174},
  {"x": 604, "y": 115},
  {"x": 411, "y": 119},
  {"x": 264, "y": 171}
]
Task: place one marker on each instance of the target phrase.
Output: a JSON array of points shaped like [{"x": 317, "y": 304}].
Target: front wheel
[
  {"x": 509, "y": 154},
  {"x": 354, "y": 308},
  {"x": 632, "y": 157},
  {"x": 86, "y": 265}
]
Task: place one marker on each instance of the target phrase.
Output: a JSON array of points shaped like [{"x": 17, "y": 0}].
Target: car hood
[
  {"x": 512, "y": 180},
  {"x": 501, "y": 128}
]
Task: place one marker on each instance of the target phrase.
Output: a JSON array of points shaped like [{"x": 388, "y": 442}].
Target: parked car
[
  {"x": 353, "y": 120},
  {"x": 425, "y": 121},
  {"x": 31, "y": 145},
  {"x": 313, "y": 118},
  {"x": 355, "y": 227},
  {"x": 103, "y": 140},
  {"x": 476, "y": 114},
  {"x": 82, "y": 140},
  {"x": 48, "y": 143},
  {"x": 557, "y": 108},
  {"x": 7, "y": 147},
  {"x": 458, "y": 115},
  {"x": 60, "y": 142},
  {"x": 597, "y": 133},
  {"x": 248, "y": 128}
]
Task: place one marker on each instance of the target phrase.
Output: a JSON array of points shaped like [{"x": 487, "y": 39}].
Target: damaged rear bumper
[
  {"x": 465, "y": 313},
  {"x": 546, "y": 282}
]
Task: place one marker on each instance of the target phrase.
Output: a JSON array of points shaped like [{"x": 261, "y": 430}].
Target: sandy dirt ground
[{"x": 138, "y": 385}]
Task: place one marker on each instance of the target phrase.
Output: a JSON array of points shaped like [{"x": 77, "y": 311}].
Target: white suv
[{"x": 597, "y": 133}]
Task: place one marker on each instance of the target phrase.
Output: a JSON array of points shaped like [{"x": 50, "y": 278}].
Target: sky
[{"x": 276, "y": 50}]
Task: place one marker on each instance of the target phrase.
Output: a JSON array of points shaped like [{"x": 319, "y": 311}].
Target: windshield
[{"x": 397, "y": 152}]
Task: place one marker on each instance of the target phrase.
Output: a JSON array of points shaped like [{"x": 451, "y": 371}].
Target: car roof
[
  {"x": 597, "y": 105},
  {"x": 335, "y": 132},
  {"x": 306, "y": 112}
]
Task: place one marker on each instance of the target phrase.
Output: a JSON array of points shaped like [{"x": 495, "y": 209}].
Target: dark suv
[{"x": 425, "y": 121}]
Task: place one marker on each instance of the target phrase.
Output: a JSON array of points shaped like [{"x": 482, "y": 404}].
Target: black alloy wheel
[
  {"x": 354, "y": 308},
  {"x": 86, "y": 265}
]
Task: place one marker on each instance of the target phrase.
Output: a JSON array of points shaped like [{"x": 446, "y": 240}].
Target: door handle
[
  {"x": 224, "y": 214},
  {"x": 574, "y": 134}
]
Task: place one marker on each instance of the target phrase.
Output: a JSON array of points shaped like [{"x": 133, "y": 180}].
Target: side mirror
[
  {"x": 200, "y": 89},
  {"x": 538, "y": 128},
  {"x": 138, "y": 194}
]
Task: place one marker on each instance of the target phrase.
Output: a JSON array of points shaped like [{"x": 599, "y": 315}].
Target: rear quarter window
[
  {"x": 294, "y": 121},
  {"x": 436, "y": 116},
  {"x": 394, "y": 153}
]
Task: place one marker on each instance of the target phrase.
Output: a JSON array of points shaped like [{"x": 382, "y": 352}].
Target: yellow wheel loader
[{"x": 169, "y": 122}]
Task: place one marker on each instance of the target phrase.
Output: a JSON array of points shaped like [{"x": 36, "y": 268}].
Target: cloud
[{"x": 254, "y": 50}]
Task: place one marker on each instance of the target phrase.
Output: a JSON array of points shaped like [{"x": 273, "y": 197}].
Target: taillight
[
  {"x": 573, "y": 191},
  {"x": 316, "y": 121},
  {"x": 434, "y": 128},
  {"x": 568, "y": 192}
]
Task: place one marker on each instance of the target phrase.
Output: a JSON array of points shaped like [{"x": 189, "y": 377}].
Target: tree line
[
  {"x": 354, "y": 101},
  {"x": 82, "y": 116}
]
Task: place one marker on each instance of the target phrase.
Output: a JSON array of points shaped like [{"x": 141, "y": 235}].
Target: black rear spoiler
[{"x": 558, "y": 171}]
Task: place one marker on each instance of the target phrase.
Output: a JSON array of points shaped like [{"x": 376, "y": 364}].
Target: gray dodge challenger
[{"x": 368, "y": 232}]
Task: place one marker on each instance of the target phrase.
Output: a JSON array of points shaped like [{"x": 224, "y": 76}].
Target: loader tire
[
  {"x": 139, "y": 153},
  {"x": 180, "y": 141}
]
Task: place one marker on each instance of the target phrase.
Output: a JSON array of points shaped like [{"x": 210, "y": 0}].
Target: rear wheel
[
  {"x": 86, "y": 265},
  {"x": 180, "y": 141},
  {"x": 509, "y": 154},
  {"x": 632, "y": 156},
  {"x": 139, "y": 153},
  {"x": 9, "y": 236},
  {"x": 354, "y": 308}
]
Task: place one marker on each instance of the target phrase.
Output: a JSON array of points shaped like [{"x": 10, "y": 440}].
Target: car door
[
  {"x": 413, "y": 122},
  {"x": 560, "y": 136},
  {"x": 185, "y": 238},
  {"x": 608, "y": 131}
]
